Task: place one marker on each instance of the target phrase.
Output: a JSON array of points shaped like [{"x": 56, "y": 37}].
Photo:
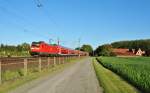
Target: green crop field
[{"x": 135, "y": 70}]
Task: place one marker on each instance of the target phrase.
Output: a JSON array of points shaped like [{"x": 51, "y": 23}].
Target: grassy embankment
[
  {"x": 12, "y": 84},
  {"x": 135, "y": 70},
  {"x": 111, "y": 82}
]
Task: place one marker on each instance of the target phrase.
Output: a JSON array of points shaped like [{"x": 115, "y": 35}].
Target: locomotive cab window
[{"x": 35, "y": 45}]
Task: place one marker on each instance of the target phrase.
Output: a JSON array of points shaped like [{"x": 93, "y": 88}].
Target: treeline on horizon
[
  {"x": 106, "y": 49},
  {"x": 133, "y": 44},
  {"x": 12, "y": 50}
]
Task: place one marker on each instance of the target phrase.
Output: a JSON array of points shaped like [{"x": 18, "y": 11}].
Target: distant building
[
  {"x": 138, "y": 52},
  {"x": 127, "y": 52}
]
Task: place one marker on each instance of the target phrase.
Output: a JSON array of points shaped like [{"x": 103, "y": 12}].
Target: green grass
[
  {"x": 12, "y": 84},
  {"x": 10, "y": 75},
  {"x": 111, "y": 82},
  {"x": 135, "y": 70}
]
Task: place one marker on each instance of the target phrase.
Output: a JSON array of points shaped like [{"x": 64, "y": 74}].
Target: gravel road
[{"x": 78, "y": 78}]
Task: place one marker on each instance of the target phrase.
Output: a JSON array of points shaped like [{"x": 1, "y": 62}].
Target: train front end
[{"x": 35, "y": 49}]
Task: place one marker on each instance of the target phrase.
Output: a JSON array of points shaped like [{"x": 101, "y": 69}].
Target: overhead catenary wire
[
  {"x": 21, "y": 26},
  {"x": 26, "y": 23},
  {"x": 42, "y": 8},
  {"x": 39, "y": 5}
]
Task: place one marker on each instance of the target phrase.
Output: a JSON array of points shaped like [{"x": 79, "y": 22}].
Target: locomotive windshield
[{"x": 35, "y": 44}]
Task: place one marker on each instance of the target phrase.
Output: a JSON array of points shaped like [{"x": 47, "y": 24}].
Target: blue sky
[{"x": 95, "y": 22}]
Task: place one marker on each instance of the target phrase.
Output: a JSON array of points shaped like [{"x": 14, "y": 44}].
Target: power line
[
  {"x": 23, "y": 20},
  {"x": 41, "y": 6}
]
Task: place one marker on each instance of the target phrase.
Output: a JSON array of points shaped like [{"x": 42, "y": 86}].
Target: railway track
[
  {"x": 14, "y": 57},
  {"x": 5, "y": 58}
]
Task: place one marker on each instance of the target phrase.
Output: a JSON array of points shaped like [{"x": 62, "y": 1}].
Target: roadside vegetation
[
  {"x": 111, "y": 82},
  {"x": 135, "y": 70},
  {"x": 12, "y": 50}
]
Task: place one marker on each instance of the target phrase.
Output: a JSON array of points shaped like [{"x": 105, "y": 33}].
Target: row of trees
[
  {"x": 133, "y": 44},
  {"x": 11, "y": 50},
  {"x": 106, "y": 50}
]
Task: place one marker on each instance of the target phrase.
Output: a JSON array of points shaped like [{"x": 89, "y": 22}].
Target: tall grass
[{"x": 135, "y": 70}]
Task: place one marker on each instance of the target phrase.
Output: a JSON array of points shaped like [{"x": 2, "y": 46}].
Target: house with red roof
[{"x": 127, "y": 52}]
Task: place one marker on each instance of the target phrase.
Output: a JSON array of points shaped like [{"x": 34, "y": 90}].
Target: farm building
[
  {"x": 127, "y": 52},
  {"x": 138, "y": 52}
]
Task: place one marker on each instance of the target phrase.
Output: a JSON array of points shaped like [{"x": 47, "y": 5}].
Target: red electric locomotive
[{"x": 43, "y": 49}]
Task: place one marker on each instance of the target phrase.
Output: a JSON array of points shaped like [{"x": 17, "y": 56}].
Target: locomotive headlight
[
  {"x": 35, "y": 48},
  {"x": 32, "y": 48}
]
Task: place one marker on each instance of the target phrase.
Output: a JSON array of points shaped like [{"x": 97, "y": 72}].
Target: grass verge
[
  {"x": 10, "y": 85},
  {"x": 111, "y": 82}
]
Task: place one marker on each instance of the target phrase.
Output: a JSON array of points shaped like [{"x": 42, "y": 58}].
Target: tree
[
  {"x": 87, "y": 48},
  {"x": 104, "y": 50},
  {"x": 78, "y": 48},
  {"x": 25, "y": 46}
]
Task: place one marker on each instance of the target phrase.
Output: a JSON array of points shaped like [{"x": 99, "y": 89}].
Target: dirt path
[{"x": 79, "y": 78}]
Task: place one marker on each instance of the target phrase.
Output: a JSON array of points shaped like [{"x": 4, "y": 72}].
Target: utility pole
[
  {"x": 79, "y": 41},
  {"x": 58, "y": 41},
  {"x": 50, "y": 41}
]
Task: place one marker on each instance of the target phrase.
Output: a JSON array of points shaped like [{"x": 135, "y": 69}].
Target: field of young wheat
[{"x": 135, "y": 70}]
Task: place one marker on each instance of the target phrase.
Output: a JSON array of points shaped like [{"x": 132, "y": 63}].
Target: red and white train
[{"x": 43, "y": 49}]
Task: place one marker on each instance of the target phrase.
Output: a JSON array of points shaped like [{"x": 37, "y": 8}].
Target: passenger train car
[{"x": 43, "y": 49}]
